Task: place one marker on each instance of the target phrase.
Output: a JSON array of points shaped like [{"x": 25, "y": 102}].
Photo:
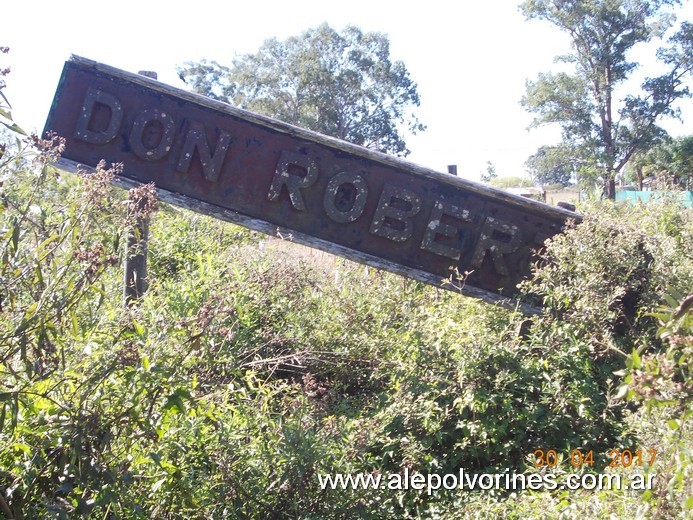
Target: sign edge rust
[{"x": 498, "y": 196}]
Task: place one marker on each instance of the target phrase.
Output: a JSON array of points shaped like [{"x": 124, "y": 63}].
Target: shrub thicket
[{"x": 250, "y": 368}]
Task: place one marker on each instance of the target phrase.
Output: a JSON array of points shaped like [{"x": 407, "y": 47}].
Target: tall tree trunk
[
  {"x": 610, "y": 188},
  {"x": 638, "y": 171}
]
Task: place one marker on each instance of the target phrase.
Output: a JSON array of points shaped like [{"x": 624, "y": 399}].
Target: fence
[{"x": 685, "y": 197}]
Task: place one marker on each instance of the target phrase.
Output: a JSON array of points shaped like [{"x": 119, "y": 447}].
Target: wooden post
[
  {"x": 136, "y": 260},
  {"x": 135, "y": 268}
]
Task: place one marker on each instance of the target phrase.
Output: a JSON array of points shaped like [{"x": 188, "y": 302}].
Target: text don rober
[{"x": 280, "y": 179}]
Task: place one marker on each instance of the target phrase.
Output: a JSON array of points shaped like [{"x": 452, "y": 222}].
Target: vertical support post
[
  {"x": 136, "y": 260},
  {"x": 135, "y": 268}
]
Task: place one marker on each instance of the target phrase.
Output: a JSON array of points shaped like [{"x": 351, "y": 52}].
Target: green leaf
[
  {"x": 43, "y": 244},
  {"x": 39, "y": 275},
  {"x": 637, "y": 362},
  {"x": 15, "y": 236},
  {"x": 74, "y": 323},
  {"x": 156, "y": 458},
  {"x": 20, "y": 446},
  {"x": 14, "y": 127},
  {"x": 622, "y": 392},
  {"x": 671, "y": 301},
  {"x": 4, "y": 98},
  {"x": 689, "y": 503},
  {"x": 64, "y": 489},
  {"x": 31, "y": 310},
  {"x": 158, "y": 484},
  {"x": 139, "y": 328},
  {"x": 175, "y": 403}
]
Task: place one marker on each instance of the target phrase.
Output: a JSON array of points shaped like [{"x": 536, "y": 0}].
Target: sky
[{"x": 470, "y": 62}]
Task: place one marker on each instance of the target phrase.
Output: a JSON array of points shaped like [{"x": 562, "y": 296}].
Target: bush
[
  {"x": 247, "y": 369},
  {"x": 511, "y": 182}
]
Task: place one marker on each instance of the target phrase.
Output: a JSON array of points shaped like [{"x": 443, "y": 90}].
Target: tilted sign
[{"x": 323, "y": 192}]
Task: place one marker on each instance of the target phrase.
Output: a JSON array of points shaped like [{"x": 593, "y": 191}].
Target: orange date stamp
[{"x": 577, "y": 458}]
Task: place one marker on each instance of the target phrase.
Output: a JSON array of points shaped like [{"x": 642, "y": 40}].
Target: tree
[
  {"x": 554, "y": 165},
  {"x": 679, "y": 158},
  {"x": 670, "y": 162},
  {"x": 511, "y": 182},
  {"x": 600, "y": 130},
  {"x": 340, "y": 84},
  {"x": 490, "y": 173}
]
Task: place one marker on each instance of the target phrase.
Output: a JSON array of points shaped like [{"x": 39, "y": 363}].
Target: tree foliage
[
  {"x": 514, "y": 181},
  {"x": 490, "y": 173},
  {"x": 554, "y": 165},
  {"x": 602, "y": 128},
  {"x": 669, "y": 163},
  {"x": 340, "y": 84}
]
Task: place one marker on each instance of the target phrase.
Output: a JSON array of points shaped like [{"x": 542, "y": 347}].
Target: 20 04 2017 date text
[{"x": 578, "y": 458}]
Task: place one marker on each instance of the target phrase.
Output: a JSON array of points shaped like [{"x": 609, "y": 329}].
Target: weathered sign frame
[{"x": 286, "y": 181}]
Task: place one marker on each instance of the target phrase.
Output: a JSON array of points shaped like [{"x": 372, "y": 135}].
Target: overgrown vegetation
[
  {"x": 247, "y": 370},
  {"x": 604, "y": 121}
]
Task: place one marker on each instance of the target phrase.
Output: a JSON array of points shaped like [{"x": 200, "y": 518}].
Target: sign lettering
[{"x": 277, "y": 178}]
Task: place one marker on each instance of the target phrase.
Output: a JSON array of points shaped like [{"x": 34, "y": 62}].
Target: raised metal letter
[
  {"x": 152, "y": 134},
  {"x": 345, "y": 197},
  {"x": 436, "y": 227},
  {"x": 284, "y": 175},
  {"x": 93, "y": 98},
  {"x": 498, "y": 238},
  {"x": 196, "y": 139},
  {"x": 392, "y": 216}
]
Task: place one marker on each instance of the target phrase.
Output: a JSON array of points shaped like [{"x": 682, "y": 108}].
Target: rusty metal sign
[{"x": 280, "y": 179}]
